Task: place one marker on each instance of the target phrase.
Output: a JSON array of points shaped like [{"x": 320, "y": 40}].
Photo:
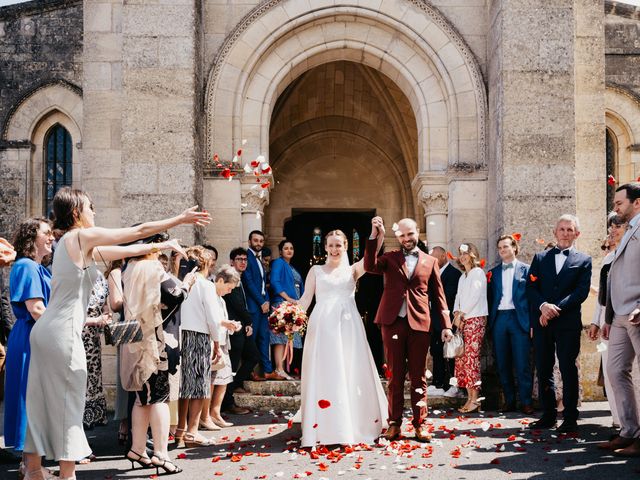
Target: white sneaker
[{"x": 453, "y": 392}]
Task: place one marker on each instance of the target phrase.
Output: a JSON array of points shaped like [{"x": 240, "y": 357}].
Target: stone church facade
[{"x": 477, "y": 117}]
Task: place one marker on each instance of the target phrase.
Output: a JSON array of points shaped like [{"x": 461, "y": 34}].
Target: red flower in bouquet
[{"x": 289, "y": 319}]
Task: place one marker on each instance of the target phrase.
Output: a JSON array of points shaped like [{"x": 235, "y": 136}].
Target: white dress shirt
[
  {"x": 561, "y": 258},
  {"x": 260, "y": 267},
  {"x": 443, "y": 267},
  {"x": 471, "y": 298},
  {"x": 506, "y": 302},
  {"x": 201, "y": 312},
  {"x": 411, "y": 262}
]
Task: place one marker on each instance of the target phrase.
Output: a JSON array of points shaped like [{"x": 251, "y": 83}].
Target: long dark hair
[
  {"x": 24, "y": 238},
  {"x": 68, "y": 203}
]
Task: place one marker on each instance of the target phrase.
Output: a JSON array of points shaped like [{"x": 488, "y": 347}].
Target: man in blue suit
[
  {"x": 558, "y": 284},
  {"x": 509, "y": 323},
  {"x": 255, "y": 286}
]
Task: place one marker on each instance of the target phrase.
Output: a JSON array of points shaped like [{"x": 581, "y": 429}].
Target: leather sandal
[{"x": 196, "y": 440}]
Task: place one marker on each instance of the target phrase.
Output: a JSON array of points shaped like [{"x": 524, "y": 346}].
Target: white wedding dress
[{"x": 338, "y": 368}]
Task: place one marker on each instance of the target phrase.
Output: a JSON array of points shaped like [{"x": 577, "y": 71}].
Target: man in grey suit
[{"x": 622, "y": 319}]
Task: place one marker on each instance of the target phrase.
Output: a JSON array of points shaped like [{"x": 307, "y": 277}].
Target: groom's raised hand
[{"x": 377, "y": 227}]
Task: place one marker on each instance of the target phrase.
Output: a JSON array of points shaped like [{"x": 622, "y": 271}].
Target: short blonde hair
[{"x": 228, "y": 274}]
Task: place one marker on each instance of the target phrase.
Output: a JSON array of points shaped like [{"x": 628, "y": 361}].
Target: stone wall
[
  {"x": 40, "y": 44},
  {"x": 622, "y": 45}
]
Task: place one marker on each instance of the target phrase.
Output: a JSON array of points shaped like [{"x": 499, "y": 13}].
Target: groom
[{"x": 411, "y": 282}]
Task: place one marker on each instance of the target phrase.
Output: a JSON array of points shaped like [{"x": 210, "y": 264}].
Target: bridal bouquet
[{"x": 288, "y": 318}]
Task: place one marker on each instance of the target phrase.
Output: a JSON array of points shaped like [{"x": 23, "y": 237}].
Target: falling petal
[
  {"x": 395, "y": 227},
  {"x": 483, "y": 263},
  {"x": 395, "y": 337},
  {"x": 239, "y": 153},
  {"x": 421, "y": 403},
  {"x": 453, "y": 381},
  {"x": 324, "y": 403},
  {"x": 428, "y": 374},
  {"x": 244, "y": 142},
  {"x": 235, "y": 159},
  {"x": 611, "y": 180},
  {"x": 541, "y": 241},
  {"x": 601, "y": 347},
  {"x": 517, "y": 236},
  {"x": 420, "y": 391},
  {"x": 533, "y": 277},
  {"x": 478, "y": 383},
  {"x": 248, "y": 169},
  {"x": 464, "y": 248}
]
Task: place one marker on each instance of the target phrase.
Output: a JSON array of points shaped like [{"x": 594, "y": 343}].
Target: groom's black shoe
[
  {"x": 568, "y": 426},
  {"x": 543, "y": 423},
  {"x": 422, "y": 434},
  {"x": 393, "y": 432}
]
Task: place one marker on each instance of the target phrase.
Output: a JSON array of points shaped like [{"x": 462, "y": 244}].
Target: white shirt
[
  {"x": 471, "y": 298},
  {"x": 506, "y": 302},
  {"x": 201, "y": 311},
  {"x": 443, "y": 267},
  {"x": 411, "y": 262},
  {"x": 257, "y": 255},
  {"x": 561, "y": 258}
]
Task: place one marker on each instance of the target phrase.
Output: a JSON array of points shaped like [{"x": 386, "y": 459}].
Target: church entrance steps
[{"x": 285, "y": 396}]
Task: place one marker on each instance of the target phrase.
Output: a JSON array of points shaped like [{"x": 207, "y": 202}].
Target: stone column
[
  {"x": 532, "y": 123},
  {"x": 435, "y": 206},
  {"x": 253, "y": 201},
  {"x": 161, "y": 94}
]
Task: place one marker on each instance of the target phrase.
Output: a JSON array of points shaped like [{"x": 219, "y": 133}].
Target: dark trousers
[
  {"x": 547, "y": 341},
  {"x": 512, "y": 347},
  {"x": 404, "y": 347},
  {"x": 244, "y": 357},
  {"x": 262, "y": 338},
  {"x": 443, "y": 368}
]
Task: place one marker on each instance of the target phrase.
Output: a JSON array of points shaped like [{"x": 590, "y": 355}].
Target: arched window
[
  {"x": 57, "y": 163},
  {"x": 611, "y": 148}
]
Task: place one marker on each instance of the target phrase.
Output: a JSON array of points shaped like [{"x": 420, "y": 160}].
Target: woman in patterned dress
[{"x": 470, "y": 314}]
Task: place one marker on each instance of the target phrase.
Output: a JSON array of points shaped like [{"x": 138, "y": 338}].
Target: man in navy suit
[
  {"x": 558, "y": 284},
  {"x": 443, "y": 367},
  {"x": 509, "y": 323},
  {"x": 254, "y": 283}
]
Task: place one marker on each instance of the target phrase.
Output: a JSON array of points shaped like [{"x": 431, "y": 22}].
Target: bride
[{"x": 342, "y": 398}]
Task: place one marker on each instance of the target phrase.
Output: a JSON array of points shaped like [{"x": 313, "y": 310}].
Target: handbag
[
  {"x": 454, "y": 348},
  {"x": 118, "y": 331}
]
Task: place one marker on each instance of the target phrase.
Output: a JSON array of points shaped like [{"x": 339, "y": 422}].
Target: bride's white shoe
[{"x": 284, "y": 374}]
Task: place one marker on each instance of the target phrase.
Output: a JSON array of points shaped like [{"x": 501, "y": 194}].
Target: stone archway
[{"x": 408, "y": 41}]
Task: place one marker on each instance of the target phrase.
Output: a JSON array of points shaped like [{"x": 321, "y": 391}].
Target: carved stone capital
[
  {"x": 434, "y": 203},
  {"x": 253, "y": 200}
]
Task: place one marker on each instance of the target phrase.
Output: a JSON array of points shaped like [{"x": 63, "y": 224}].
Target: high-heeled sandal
[
  {"x": 475, "y": 406},
  {"x": 138, "y": 460},
  {"x": 162, "y": 464},
  {"x": 195, "y": 440},
  {"x": 35, "y": 474}
]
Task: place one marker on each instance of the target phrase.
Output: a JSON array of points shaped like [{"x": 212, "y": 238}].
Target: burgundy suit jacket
[{"x": 423, "y": 287}]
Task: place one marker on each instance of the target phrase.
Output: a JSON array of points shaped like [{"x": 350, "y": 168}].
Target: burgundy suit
[{"x": 406, "y": 339}]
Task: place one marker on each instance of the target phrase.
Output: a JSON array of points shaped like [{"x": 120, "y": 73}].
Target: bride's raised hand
[{"x": 193, "y": 216}]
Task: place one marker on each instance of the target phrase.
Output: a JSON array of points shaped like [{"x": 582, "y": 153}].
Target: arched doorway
[{"x": 343, "y": 138}]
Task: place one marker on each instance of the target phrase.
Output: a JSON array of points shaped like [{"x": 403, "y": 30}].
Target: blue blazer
[
  {"x": 282, "y": 281},
  {"x": 518, "y": 293},
  {"x": 253, "y": 284},
  {"x": 567, "y": 289}
]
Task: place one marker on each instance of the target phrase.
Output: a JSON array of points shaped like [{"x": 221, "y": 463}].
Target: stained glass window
[{"x": 57, "y": 163}]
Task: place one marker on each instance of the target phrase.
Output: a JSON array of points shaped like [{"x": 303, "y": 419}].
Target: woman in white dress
[{"x": 343, "y": 401}]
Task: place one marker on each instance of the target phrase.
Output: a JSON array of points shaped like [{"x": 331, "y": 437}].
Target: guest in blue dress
[
  {"x": 286, "y": 286},
  {"x": 29, "y": 287}
]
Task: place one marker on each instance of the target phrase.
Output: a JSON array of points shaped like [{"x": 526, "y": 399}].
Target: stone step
[
  {"x": 290, "y": 387},
  {"x": 291, "y": 403}
]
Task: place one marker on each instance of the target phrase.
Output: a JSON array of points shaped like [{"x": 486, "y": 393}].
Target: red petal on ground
[
  {"x": 236, "y": 458},
  {"x": 218, "y": 474},
  {"x": 495, "y": 461},
  {"x": 182, "y": 455},
  {"x": 255, "y": 163},
  {"x": 324, "y": 403},
  {"x": 511, "y": 438},
  {"x": 244, "y": 467},
  {"x": 314, "y": 455},
  {"x": 264, "y": 455},
  {"x": 215, "y": 459},
  {"x": 323, "y": 467}
]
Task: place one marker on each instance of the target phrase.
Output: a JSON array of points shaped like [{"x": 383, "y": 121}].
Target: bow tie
[
  {"x": 507, "y": 266},
  {"x": 409, "y": 253},
  {"x": 557, "y": 251}
]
